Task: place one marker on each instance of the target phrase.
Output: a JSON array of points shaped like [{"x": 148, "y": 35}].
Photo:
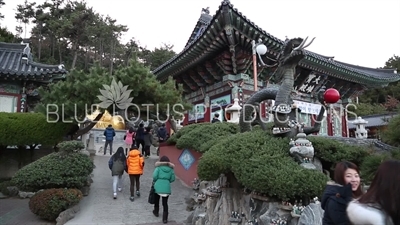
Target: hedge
[
  {"x": 202, "y": 137},
  {"x": 48, "y": 204},
  {"x": 57, "y": 170},
  {"x": 29, "y": 129},
  {"x": 262, "y": 163},
  {"x": 371, "y": 163}
]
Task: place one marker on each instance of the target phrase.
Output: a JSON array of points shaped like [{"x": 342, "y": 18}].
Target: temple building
[
  {"x": 217, "y": 65},
  {"x": 20, "y": 77}
]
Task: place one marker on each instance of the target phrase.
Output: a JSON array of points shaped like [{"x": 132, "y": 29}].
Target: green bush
[
  {"x": 262, "y": 163},
  {"x": 172, "y": 140},
  {"x": 4, "y": 185},
  {"x": 330, "y": 151},
  {"x": 30, "y": 129},
  {"x": 56, "y": 170},
  {"x": 48, "y": 204},
  {"x": 371, "y": 163},
  {"x": 71, "y": 146},
  {"x": 201, "y": 137}
]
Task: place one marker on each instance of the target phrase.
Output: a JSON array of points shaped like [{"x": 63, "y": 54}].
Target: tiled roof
[
  {"x": 374, "y": 120},
  {"x": 347, "y": 71},
  {"x": 16, "y": 59}
]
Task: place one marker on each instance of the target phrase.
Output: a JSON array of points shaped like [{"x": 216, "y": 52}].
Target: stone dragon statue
[{"x": 284, "y": 110}]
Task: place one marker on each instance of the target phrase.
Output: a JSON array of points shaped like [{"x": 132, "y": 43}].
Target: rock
[
  {"x": 67, "y": 215},
  {"x": 203, "y": 185},
  {"x": 85, "y": 190},
  {"x": 13, "y": 191},
  {"x": 308, "y": 166},
  {"x": 271, "y": 213},
  {"x": 23, "y": 194},
  {"x": 317, "y": 163},
  {"x": 89, "y": 180},
  {"x": 312, "y": 214},
  {"x": 85, "y": 152}
]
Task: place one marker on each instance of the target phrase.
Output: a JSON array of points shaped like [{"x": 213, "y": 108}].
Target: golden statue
[{"x": 117, "y": 121}]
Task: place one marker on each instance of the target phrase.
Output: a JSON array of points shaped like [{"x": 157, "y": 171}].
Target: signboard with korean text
[
  {"x": 310, "y": 83},
  {"x": 221, "y": 101},
  {"x": 197, "y": 112}
]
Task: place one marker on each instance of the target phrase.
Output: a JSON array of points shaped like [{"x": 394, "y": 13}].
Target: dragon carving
[{"x": 284, "y": 110}]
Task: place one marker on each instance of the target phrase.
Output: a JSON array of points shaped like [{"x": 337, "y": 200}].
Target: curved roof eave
[{"x": 383, "y": 76}]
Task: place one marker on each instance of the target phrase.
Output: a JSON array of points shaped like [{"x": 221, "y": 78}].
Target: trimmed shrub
[
  {"x": 56, "y": 170},
  {"x": 30, "y": 129},
  {"x": 48, "y": 204},
  {"x": 330, "y": 152},
  {"x": 4, "y": 187},
  {"x": 371, "y": 163},
  {"x": 261, "y": 163},
  {"x": 201, "y": 137},
  {"x": 172, "y": 140},
  {"x": 71, "y": 146}
]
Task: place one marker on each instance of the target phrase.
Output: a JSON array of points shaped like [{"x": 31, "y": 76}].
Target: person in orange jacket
[{"x": 135, "y": 163}]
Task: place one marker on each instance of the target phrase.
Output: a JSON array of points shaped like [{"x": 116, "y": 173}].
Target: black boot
[
  {"x": 165, "y": 217},
  {"x": 155, "y": 211}
]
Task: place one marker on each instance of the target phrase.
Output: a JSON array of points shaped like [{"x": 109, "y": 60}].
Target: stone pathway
[
  {"x": 99, "y": 208},
  {"x": 15, "y": 211}
]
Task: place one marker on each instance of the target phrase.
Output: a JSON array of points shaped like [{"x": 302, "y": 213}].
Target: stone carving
[
  {"x": 235, "y": 89},
  {"x": 196, "y": 184},
  {"x": 285, "y": 121}
]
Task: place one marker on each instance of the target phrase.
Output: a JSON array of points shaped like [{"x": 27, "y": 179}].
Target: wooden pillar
[
  {"x": 329, "y": 122},
  {"x": 186, "y": 120},
  {"x": 207, "y": 115},
  {"x": 344, "y": 123}
]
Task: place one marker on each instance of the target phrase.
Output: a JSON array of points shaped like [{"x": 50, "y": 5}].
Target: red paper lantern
[{"x": 331, "y": 95}]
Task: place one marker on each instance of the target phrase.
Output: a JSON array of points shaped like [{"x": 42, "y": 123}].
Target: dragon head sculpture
[{"x": 293, "y": 51}]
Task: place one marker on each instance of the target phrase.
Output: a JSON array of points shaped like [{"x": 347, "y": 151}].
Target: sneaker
[
  {"x": 132, "y": 198},
  {"x": 119, "y": 189},
  {"x": 115, "y": 195},
  {"x": 137, "y": 193}
]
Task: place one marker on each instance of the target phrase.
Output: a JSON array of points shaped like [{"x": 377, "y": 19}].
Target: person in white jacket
[{"x": 381, "y": 204}]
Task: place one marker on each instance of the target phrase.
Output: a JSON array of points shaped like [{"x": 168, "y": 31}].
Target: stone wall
[
  {"x": 372, "y": 143},
  {"x": 213, "y": 204}
]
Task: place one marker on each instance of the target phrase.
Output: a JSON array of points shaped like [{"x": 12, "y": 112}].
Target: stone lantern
[
  {"x": 232, "y": 113},
  {"x": 361, "y": 132}
]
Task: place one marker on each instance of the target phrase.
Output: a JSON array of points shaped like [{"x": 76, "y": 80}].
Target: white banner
[{"x": 308, "y": 108}]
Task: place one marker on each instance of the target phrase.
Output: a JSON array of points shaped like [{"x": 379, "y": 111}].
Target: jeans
[
  {"x": 164, "y": 203},
  {"x": 105, "y": 146},
  {"x": 117, "y": 181},
  {"x": 134, "y": 179}
]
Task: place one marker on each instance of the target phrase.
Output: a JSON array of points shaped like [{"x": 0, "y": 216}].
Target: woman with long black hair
[
  {"x": 381, "y": 204},
  {"x": 117, "y": 165}
]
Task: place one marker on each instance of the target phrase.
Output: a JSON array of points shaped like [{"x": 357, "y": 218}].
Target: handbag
[{"x": 152, "y": 195}]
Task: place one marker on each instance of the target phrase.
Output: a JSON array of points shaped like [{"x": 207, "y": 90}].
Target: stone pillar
[
  {"x": 91, "y": 148},
  {"x": 361, "y": 132},
  {"x": 233, "y": 111}
]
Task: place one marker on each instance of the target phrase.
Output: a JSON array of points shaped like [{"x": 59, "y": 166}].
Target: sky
[{"x": 359, "y": 32}]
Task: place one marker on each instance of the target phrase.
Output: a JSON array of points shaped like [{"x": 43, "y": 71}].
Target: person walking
[
  {"x": 163, "y": 176},
  {"x": 381, "y": 204},
  {"x": 117, "y": 165},
  {"x": 148, "y": 142},
  {"x": 140, "y": 136},
  {"x": 129, "y": 139},
  {"x": 109, "y": 133},
  {"x": 135, "y": 163}
]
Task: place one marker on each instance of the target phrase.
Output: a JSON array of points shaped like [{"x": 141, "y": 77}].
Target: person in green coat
[{"x": 163, "y": 176}]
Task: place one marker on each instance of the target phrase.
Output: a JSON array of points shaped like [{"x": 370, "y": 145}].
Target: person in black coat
[{"x": 339, "y": 193}]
